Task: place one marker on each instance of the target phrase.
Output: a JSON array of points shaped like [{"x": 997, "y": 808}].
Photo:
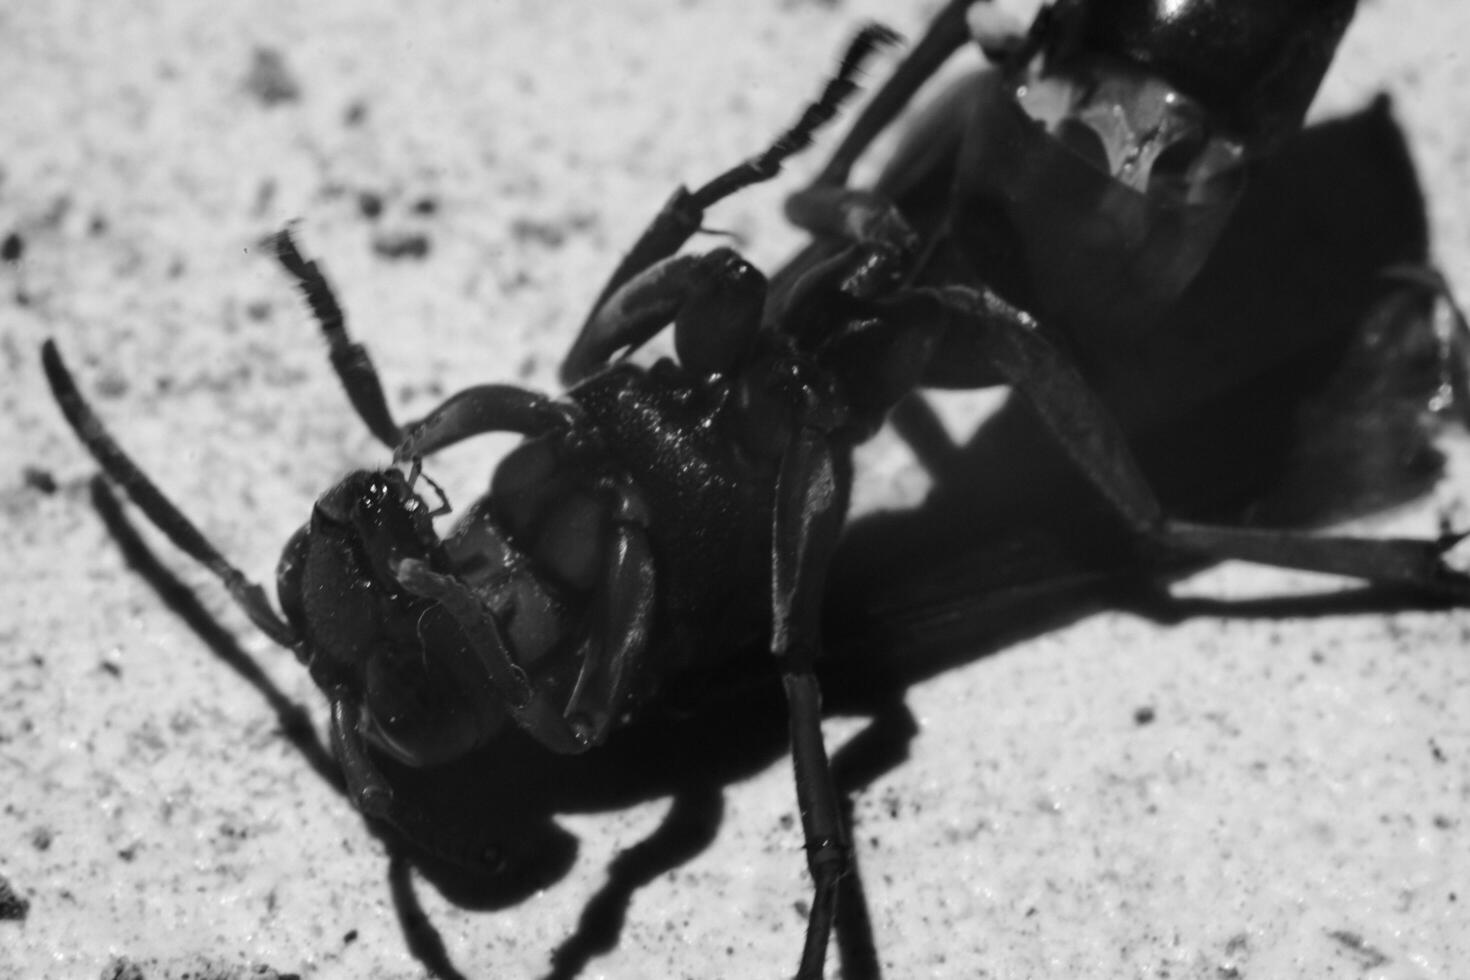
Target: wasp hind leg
[
  {"x": 806, "y": 522},
  {"x": 1013, "y": 343}
]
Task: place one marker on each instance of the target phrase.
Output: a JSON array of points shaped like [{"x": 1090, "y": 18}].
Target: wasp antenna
[
  {"x": 817, "y": 114},
  {"x": 841, "y": 88},
  {"x": 313, "y": 285},
  {"x": 351, "y": 361},
  {"x": 118, "y": 465}
]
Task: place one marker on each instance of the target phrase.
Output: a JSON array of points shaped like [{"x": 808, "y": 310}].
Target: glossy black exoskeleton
[
  {"x": 653, "y": 522},
  {"x": 1086, "y": 177}
]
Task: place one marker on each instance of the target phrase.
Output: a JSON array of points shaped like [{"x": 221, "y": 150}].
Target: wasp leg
[
  {"x": 366, "y": 786},
  {"x": 885, "y": 244},
  {"x": 479, "y": 410},
  {"x": 921, "y": 428},
  {"x": 351, "y": 361},
  {"x": 714, "y": 302},
  {"x": 807, "y": 519},
  {"x": 158, "y": 509},
  {"x": 683, "y": 214},
  {"x": 869, "y": 219},
  {"x": 533, "y": 714},
  {"x": 625, "y": 614},
  {"x": 371, "y": 794},
  {"x": 1015, "y": 345},
  {"x": 868, "y": 227}
]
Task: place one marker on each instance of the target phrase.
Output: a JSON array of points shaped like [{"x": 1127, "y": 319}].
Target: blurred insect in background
[{"x": 1132, "y": 185}]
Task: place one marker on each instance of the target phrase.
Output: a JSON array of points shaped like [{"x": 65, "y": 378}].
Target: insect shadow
[{"x": 1011, "y": 542}]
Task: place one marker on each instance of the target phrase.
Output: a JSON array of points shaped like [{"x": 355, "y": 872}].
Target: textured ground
[{"x": 1299, "y": 806}]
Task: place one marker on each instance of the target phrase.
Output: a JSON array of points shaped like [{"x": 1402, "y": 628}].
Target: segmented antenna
[{"x": 842, "y": 87}]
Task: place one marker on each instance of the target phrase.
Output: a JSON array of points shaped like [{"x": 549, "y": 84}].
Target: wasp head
[{"x": 400, "y": 656}]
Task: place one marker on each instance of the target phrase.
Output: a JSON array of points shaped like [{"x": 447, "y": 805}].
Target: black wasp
[{"x": 656, "y": 524}]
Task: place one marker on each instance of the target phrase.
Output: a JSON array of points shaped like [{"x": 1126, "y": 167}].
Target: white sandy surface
[{"x": 1298, "y": 809}]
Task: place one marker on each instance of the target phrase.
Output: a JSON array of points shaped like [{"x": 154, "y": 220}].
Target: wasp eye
[{"x": 375, "y": 493}]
